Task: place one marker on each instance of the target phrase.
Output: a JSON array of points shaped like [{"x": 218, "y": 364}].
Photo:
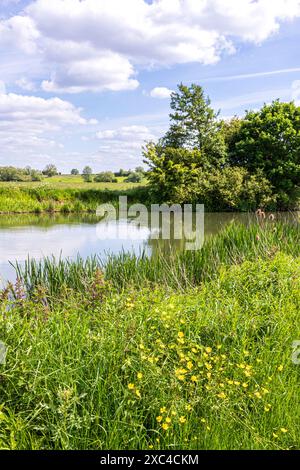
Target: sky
[{"x": 88, "y": 82}]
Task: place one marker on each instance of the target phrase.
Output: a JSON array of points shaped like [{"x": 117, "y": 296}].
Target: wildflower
[
  {"x": 257, "y": 394},
  {"x": 163, "y": 410},
  {"x": 280, "y": 368},
  {"x": 244, "y": 385},
  {"x": 142, "y": 346},
  {"x": 138, "y": 393},
  {"x": 182, "y": 321},
  {"x": 236, "y": 382},
  {"x": 221, "y": 395},
  {"x": 275, "y": 435},
  {"x": 151, "y": 446},
  {"x": 208, "y": 365},
  {"x": 246, "y": 353},
  {"x": 194, "y": 350},
  {"x": 283, "y": 430},
  {"x": 247, "y": 373},
  {"x": 140, "y": 376},
  {"x": 173, "y": 413},
  {"x": 165, "y": 426},
  {"x": 189, "y": 365},
  {"x": 219, "y": 346},
  {"x": 230, "y": 382},
  {"x": 188, "y": 407},
  {"x": 168, "y": 420},
  {"x": 159, "y": 419},
  {"x": 180, "y": 334},
  {"x": 182, "y": 419},
  {"x": 203, "y": 420},
  {"x": 208, "y": 428},
  {"x": 181, "y": 377},
  {"x": 194, "y": 378},
  {"x": 131, "y": 386},
  {"x": 267, "y": 408},
  {"x": 208, "y": 350}
]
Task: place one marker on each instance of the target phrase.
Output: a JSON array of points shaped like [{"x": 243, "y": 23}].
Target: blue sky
[{"x": 89, "y": 82}]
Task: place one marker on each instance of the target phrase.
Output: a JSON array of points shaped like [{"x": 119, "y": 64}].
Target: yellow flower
[
  {"x": 257, "y": 394},
  {"x": 188, "y": 407},
  {"x": 208, "y": 365},
  {"x": 230, "y": 382},
  {"x": 219, "y": 346},
  {"x": 138, "y": 393},
  {"x": 245, "y": 385},
  {"x": 236, "y": 382},
  {"x": 208, "y": 350},
  {"x": 203, "y": 420},
  {"x": 181, "y": 377},
  {"x": 194, "y": 350},
  {"x": 182, "y": 419},
  {"x": 131, "y": 386},
  {"x": 140, "y": 376},
  {"x": 150, "y": 447},
  {"x": 267, "y": 408},
  {"x": 189, "y": 365},
  {"x": 163, "y": 410},
  {"x": 168, "y": 420},
  {"x": 165, "y": 426},
  {"x": 208, "y": 428},
  {"x": 280, "y": 368},
  {"x": 283, "y": 430},
  {"x": 275, "y": 435},
  {"x": 208, "y": 375},
  {"x": 221, "y": 395},
  {"x": 180, "y": 334},
  {"x": 180, "y": 340},
  {"x": 182, "y": 321},
  {"x": 159, "y": 419},
  {"x": 246, "y": 353},
  {"x": 194, "y": 378},
  {"x": 173, "y": 413}
]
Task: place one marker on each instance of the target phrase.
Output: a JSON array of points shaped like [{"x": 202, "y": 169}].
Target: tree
[
  {"x": 194, "y": 124},
  {"x": 269, "y": 140},
  {"x": 50, "y": 170},
  {"x": 105, "y": 177},
  {"x": 134, "y": 177},
  {"x": 74, "y": 171},
  {"x": 87, "y": 174}
]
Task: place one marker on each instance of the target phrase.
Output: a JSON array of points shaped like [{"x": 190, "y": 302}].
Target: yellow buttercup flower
[
  {"x": 163, "y": 410},
  {"x": 194, "y": 378},
  {"x": 159, "y": 419},
  {"x": 168, "y": 420},
  {"x": 283, "y": 430},
  {"x": 140, "y": 376},
  {"x": 188, "y": 407},
  {"x": 165, "y": 426},
  {"x": 280, "y": 368},
  {"x": 245, "y": 385},
  {"x": 190, "y": 365},
  {"x": 138, "y": 393},
  {"x": 131, "y": 386},
  {"x": 182, "y": 419},
  {"x": 221, "y": 395},
  {"x": 267, "y": 408},
  {"x": 180, "y": 334},
  {"x": 208, "y": 350}
]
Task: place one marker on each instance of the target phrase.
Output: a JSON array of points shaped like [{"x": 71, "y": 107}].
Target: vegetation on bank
[
  {"x": 66, "y": 197},
  {"x": 240, "y": 164},
  {"x": 154, "y": 355}
]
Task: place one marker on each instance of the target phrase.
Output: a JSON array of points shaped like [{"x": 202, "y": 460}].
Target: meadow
[
  {"x": 189, "y": 352},
  {"x": 64, "y": 193}
]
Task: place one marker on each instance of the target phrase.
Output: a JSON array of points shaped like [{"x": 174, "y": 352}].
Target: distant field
[{"x": 76, "y": 182}]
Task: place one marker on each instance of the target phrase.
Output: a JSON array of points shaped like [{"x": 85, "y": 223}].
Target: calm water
[{"x": 69, "y": 235}]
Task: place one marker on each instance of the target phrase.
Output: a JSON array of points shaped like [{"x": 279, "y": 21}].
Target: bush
[
  {"x": 105, "y": 177},
  {"x": 134, "y": 177}
]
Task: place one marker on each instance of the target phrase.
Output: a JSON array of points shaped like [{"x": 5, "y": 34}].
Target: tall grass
[{"x": 233, "y": 245}]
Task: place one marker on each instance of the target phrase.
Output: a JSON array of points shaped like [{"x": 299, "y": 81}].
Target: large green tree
[
  {"x": 269, "y": 140},
  {"x": 194, "y": 124}
]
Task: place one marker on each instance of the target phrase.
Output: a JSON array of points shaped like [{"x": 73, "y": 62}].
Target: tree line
[{"x": 237, "y": 164}]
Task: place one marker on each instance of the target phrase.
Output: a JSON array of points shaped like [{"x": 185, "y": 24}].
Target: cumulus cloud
[
  {"x": 296, "y": 92},
  {"x": 25, "y": 84},
  {"x": 161, "y": 93},
  {"x": 31, "y": 124},
  {"x": 95, "y": 45}
]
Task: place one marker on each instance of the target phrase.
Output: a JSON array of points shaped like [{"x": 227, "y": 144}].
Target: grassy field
[
  {"x": 64, "y": 194},
  {"x": 192, "y": 353}
]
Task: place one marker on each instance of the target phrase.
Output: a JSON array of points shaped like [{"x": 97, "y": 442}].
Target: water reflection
[{"x": 69, "y": 235}]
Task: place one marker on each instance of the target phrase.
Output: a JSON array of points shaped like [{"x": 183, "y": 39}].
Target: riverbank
[
  {"x": 53, "y": 198},
  {"x": 192, "y": 352}
]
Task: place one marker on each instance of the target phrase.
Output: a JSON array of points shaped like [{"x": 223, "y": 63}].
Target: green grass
[
  {"x": 110, "y": 370},
  {"x": 64, "y": 197},
  {"x": 192, "y": 352}
]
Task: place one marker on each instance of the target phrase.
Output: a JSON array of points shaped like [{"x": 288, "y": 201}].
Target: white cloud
[
  {"x": 95, "y": 45},
  {"x": 2, "y": 87},
  {"x": 34, "y": 125},
  {"x": 296, "y": 92},
  {"x": 26, "y": 84},
  {"x": 161, "y": 93}
]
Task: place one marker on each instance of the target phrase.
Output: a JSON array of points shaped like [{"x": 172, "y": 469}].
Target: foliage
[
  {"x": 74, "y": 171},
  {"x": 50, "y": 170},
  {"x": 87, "y": 174},
  {"x": 134, "y": 177},
  {"x": 10, "y": 173},
  {"x": 269, "y": 140},
  {"x": 105, "y": 177},
  {"x": 184, "y": 176},
  {"x": 194, "y": 124}
]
